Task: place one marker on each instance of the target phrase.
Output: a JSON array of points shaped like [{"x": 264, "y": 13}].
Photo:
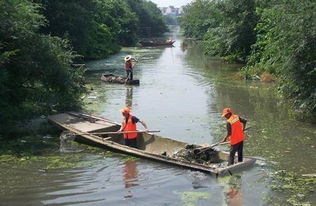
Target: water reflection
[
  {"x": 233, "y": 192},
  {"x": 129, "y": 97},
  {"x": 130, "y": 173},
  {"x": 184, "y": 46}
]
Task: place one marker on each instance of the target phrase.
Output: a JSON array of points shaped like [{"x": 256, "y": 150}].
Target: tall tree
[
  {"x": 35, "y": 69},
  {"x": 286, "y": 47},
  {"x": 151, "y": 22},
  {"x": 235, "y": 32},
  {"x": 198, "y": 17}
]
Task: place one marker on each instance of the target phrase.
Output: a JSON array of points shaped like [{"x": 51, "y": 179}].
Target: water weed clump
[{"x": 297, "y": 188}]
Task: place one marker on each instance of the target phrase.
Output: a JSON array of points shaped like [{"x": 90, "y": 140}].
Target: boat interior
[{"x": 147, "y": 142}]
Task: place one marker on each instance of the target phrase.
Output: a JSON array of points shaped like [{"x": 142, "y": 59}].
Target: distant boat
[
  {"x": 157, "y": 43},
  {"x": 111, "y": 78}
]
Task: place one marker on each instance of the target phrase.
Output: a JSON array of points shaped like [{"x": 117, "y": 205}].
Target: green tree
[
  {"x": 72, "y": 20},
  {"x": 234, "y": 35},
  {"x": 36, "y": 73},
  {"x": 286, "y": 47},
  {"x": 114, "y": 25},
  {"x": 151, "y": 22},
  {"x": 198, "y": 17},
  {"x": 170, "y": 20},
  {"x": 98, "y": 28}
]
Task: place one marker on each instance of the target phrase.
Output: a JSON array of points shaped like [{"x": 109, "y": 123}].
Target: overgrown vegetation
[
  {"x": 40, "y": 41},
  {"x": 275, "y": 39},
  {"x": 36, "y": 72},
  {"x": 99, "y": 28},
  {"x": 298, "y": 189},
  {"x": 286, "y": 47},
  {"x": 151, "y": 22}
]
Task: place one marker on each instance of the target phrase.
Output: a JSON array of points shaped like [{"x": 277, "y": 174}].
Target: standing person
[
  {"x": 129, "y": 124},
  {"x": 235, "y": 133},
  {"x": 129, "y": 67}
]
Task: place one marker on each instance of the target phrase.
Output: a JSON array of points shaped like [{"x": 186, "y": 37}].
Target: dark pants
[
  {"x": 131, "y": 142},
  {"x": 129, "y": 74},
  {"x": 233, "y": 149}
]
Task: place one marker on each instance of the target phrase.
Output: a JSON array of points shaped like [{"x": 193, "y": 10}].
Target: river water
[{"x": 182, "y": 93}]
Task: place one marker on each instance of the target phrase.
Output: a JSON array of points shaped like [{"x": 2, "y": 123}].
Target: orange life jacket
[
  {"x": 128, "y": 65},
  {"x": 237, "y": 134},
  {"x": 129, "y": 126}
]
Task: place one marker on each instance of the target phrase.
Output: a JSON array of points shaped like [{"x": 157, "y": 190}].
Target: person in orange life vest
[
  {"x": 129, "y": 66},
  {"x": 235, "y": 134},
  {"x": 129, "y": 124}
]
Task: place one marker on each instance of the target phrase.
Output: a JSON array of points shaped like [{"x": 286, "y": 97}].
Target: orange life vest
[
  {"x": 237, "y": 134},
  {"x": 128, "y": 65},
  {"x": 129, "y": 126}
]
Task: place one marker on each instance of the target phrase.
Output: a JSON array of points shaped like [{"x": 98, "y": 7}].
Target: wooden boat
[
  {"x": 118, "y": 79},
  {"x": 157, "y": 43},
  {"x": 89, "y": 129}
]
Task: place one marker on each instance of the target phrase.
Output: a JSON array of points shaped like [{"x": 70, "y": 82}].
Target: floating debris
[
  {"x": 66, "y": 139},
  {"x": 193, "y": 154},
  {"x": 92, "y": 97},
  {"x": 67, "y": 136}
]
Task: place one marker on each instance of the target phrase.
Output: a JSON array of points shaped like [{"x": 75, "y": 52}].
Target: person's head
[
  {"x": 125, "y": 111},
  {"x": 128, "y": 58},
  {"x": 227, "y": 112}
]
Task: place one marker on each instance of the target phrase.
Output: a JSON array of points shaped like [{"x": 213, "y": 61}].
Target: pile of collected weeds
[{"x": 192, "y": 154}]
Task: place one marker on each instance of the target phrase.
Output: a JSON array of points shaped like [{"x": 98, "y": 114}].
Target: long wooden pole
[
  {"x": 127, "y": 132},
  {"x": 202, "y": 149}
]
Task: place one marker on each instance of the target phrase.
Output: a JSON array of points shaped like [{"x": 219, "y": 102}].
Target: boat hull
[
  {"x": 150, "y": 146},
  {"x": 111, "y": 78},
  {"x": 156, "y": 43}
]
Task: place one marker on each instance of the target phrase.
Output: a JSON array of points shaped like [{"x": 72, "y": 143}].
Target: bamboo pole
[{"x": 127, "y": 132}]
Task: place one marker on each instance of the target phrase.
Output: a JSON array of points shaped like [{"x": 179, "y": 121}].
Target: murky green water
[{"x": 182, "y": 94}]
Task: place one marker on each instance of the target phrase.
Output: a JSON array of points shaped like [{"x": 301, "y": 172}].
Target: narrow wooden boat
[
  {"x": 88, "y": 129},
  {"x": 111, "y": 78},
  {"x": 157, "y": 43}
]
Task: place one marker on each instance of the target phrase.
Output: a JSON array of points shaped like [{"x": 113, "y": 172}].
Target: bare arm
[
  {"x": 244, "y": 126},
  {"x": 244, "y": 122},
  {"x": 229, "y": 132},
  {"x": 144, "y": 124},
  {"x": 226, "y": 138},
  {"x": 121, "y": 128}
]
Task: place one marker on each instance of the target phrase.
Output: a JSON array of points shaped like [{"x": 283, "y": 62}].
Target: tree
[
  {"x": 151, "y": 22},
  {"x": 198, "y": 17},
  {"x": 99, "y": 28},
  {"x": 235, "y": 33},
  {"x": 36, "y": 73},
  {"x": 286, "y": 37}
]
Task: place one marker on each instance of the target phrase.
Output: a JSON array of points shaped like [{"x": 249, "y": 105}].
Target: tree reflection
[{"x": 184, "y": 46}]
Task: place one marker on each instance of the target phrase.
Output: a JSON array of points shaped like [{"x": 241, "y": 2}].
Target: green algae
[
  {"x": 50, "y": 162},
  {"x": 191, "y": 198},
  {"x": 130, "y": 158},
  {"x": 297, "y": 189}
]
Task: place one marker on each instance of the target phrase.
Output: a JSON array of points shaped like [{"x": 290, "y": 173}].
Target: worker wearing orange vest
[
  {"x": 129, "y": 67},
  {"x": 235, "y": 134},
  {"x": 129, "y": 124}
]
